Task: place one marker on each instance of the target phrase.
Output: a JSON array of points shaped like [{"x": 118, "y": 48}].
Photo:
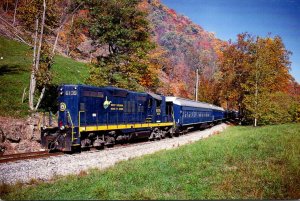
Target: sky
[{"x": 227, "y": 18}]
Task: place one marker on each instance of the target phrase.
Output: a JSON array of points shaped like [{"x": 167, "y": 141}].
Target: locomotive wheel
[
  {"x": 76, "y": 149},
  {"x": 163, "y": 134},
  {"x": 176, "y": 134},
  {"x": 110, "y": 142},
  {"x": 170, "y": 133},
  {"x": 100, "y": 147},
  {"x": 110, "y": 145},
  {"x": 51, "y": 146}
]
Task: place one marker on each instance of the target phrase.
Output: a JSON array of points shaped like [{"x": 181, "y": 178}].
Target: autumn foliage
[
  {"x": 187, "y": 47},
  {"x": 146, "y": 46},
  {"x": 255, "y": 79}
]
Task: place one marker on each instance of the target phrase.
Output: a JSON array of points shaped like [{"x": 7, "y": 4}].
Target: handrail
[
  {"x": 174, "y": 121},
  {"x": 79, "y": 122},
  {"x": 69, "y": 115}
]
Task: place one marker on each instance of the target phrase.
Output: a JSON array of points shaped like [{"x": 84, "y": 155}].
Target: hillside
[
  {"x": 188, "y": 47},
  {"x": 16, "y": 123},
  {"x": 15, "y": 70},
  {"x": 122, "y": 53}
]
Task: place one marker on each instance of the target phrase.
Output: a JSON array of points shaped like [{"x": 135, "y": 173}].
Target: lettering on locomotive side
[
  {"x": 116, "y": 106},
  {"x": 71, "y": 93}
]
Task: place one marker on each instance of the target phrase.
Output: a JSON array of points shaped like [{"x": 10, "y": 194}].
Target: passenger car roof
[
  {"x": 155, "y": 96},
  {"x": 191, "y": 103}
]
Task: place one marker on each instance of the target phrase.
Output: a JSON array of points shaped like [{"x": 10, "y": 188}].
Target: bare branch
[
  {"x": 16, "y": 32},
  {"x": 40, "y": 99},
  {"x": 61, "y": 26},
  {"x": 16, "y": 5},
  {"x": 24, "y": 94},
  {"x": 6, "y": 6},
  {"x": 53, "y": 50},
  {"x": 41, "y": 38},
  {"x": 32, "y": 76}
]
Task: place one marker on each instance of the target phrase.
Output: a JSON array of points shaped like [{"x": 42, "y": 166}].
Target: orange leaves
[
  {"x": 208, "y": 89},
  {"x": 83, "y": 13},
  {"x": 155, "y": 61},
  {"x": 143, "y": 6},
  {"x": 253, "y": 70},
  {"x": 172, "y": 12}
]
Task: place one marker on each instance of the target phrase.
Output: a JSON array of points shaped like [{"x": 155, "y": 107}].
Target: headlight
[{"x": 62, "y": 128}]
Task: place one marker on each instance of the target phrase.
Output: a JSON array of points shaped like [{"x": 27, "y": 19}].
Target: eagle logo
[{"x": 106, "y": 103}]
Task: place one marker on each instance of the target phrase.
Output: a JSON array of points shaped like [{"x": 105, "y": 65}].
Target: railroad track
[
  {"x": 24, "y": 156},
  {"x": 45, "y": 154}
]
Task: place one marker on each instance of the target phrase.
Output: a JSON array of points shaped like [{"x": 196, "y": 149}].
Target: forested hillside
[
  {"x": 170, "y": 51},
  {"x": 188, "y": 47},
  {"x": 143, "y": 45}
]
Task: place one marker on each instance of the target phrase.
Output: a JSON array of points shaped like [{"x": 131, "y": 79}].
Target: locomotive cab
[{"x": 65, "y": 135}]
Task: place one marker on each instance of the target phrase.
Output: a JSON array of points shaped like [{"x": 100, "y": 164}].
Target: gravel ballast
[{"x": 46, "y": 168}]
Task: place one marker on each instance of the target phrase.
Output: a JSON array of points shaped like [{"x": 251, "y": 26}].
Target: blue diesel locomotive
[{"x": 100, "y": 116}]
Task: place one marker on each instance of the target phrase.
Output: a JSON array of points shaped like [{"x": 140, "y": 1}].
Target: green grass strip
[{"x": 242, "y": 162}]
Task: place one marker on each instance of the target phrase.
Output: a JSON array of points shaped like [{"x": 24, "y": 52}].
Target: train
[{"x": 90, "y": 116}]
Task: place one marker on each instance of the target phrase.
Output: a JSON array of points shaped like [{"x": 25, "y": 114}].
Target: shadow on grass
[{"x": 7, "y": 69}]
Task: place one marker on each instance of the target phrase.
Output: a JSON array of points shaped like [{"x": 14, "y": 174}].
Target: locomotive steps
[{"x": 45, "y": 169}]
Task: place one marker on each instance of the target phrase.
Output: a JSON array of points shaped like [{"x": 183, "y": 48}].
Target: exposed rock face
[
  {"x": 27, "y": 146},
  {"x": 2, "y": 136},
  {"x": 19, "y": 135},
  {"x": 101, "y": 51},
  {"x": 86, "y": 47},
  {"x": 89, "y": 50}
]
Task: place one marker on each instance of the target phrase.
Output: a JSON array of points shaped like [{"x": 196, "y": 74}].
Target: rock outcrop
[{"x": 19, "y": 135}]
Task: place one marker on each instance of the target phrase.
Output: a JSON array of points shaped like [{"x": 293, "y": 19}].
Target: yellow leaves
[
  {"x": 143, "y": 6},
  {"x": 253, "y": 70}
]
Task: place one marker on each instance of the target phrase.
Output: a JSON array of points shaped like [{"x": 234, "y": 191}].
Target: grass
[
  {"x": 14, "y": 76},
  {"x": 68, "y": 71},
  {"x": 15, "y": 70},
  {"x": 242, "y": 162}
]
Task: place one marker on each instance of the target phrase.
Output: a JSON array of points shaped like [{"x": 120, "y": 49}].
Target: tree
[
  {"x": 15, "y": 12},
  {"x": 35, "y": 16},
  {"x": 48, "y": 19},
  {"x": 36, "y": 57},
  {"x": 125, "y": 30},
  {"x": 269, "y": 74},
  {"x": 253, "y": 70},
  {"x": 209, "y": 90},
  {"x": 7, "y": 5},
  {"x": 29, "y": 10},
  {"x": 234, "y": 70}
]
